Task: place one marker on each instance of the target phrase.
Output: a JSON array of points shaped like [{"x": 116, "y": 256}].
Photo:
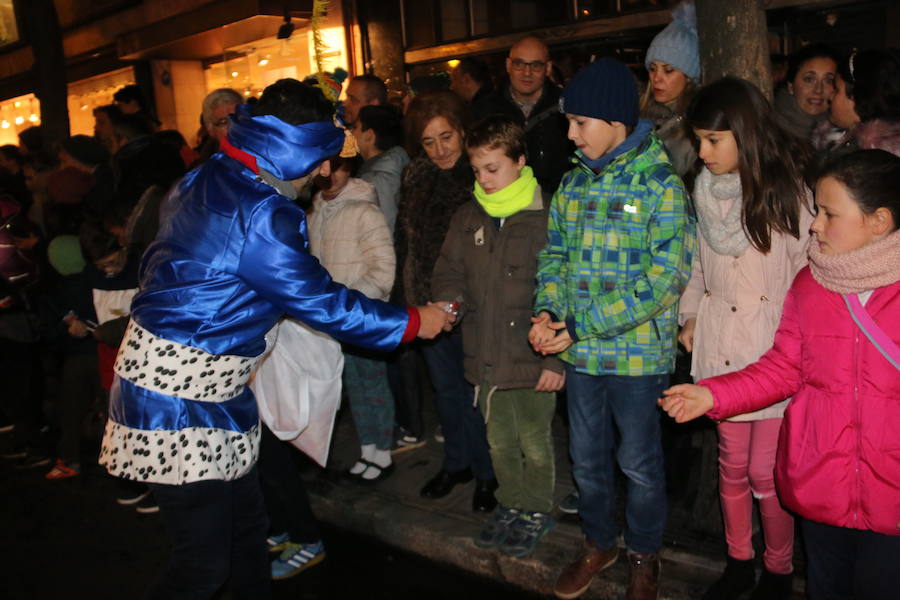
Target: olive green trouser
[{"x": 521, "y": 441}]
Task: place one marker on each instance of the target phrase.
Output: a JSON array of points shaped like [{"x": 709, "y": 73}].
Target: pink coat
[
  {"x": 838, "y": 456},
  {"x": 737, "y": 302}
]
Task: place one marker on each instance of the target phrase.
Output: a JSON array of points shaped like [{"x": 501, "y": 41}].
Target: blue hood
[{"x": 286, "y": 151}]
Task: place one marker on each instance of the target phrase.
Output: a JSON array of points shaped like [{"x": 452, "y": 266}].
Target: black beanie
[{"x": 604, "y": 89}]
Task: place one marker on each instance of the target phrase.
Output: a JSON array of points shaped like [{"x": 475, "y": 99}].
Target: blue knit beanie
[
  {"x": 604, "y": 89},
  {"x": 677, "y": 44}
]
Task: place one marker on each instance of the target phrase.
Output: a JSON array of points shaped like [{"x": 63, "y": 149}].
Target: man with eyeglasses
[{"x": 532, "y": 100}]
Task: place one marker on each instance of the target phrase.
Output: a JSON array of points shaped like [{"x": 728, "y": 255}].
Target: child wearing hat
[{"x": 619, "y": 254}]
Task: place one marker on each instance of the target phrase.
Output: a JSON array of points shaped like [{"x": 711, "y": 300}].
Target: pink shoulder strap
[{"x": 876, "y": 334}]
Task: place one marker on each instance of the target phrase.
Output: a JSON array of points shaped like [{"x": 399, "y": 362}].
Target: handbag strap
[{"x": 876, "y": 334}]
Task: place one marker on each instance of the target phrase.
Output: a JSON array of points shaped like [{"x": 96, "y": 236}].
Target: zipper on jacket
[{"x": 656, "y": 329}]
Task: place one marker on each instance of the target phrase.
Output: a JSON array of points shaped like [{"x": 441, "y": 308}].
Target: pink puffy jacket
[{"x": 838, "y": 456}]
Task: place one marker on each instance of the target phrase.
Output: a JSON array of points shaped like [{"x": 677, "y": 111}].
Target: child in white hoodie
[{"x": 350, "y": 237}]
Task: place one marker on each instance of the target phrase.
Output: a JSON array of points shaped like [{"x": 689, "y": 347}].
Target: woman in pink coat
[
  {"x": 754, "y": 215},
  {"x": 836, "y": 353}
]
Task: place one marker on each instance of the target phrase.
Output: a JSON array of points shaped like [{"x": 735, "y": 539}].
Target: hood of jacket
[
  {"x": 286, "y": 151},
  {"x": 393, "y": 160},
  {"x": 356, "y": 190}
]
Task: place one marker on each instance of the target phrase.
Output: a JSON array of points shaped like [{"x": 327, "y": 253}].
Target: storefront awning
[{"x": 208, "y": 31}]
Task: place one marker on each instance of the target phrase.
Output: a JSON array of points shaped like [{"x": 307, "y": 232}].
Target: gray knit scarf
[{"x": 725, "y": 235}]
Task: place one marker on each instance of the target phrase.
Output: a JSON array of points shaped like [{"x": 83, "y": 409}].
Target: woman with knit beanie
[
  {"x": 837, "y": 355},
  {"x": 673, "y": 63}
]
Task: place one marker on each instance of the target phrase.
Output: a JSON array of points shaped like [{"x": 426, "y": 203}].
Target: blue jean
[
  {"x": 465, "y": 436},
  {"x": 600, "y": 406},
  {"x": 371, "y": 400},
  {"x": 218, "y": 534}
]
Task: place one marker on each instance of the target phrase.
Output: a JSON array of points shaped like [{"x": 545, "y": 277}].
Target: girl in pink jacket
[
  {"x": 753, "y": 216},
  {"x": 836, "y": 353}
]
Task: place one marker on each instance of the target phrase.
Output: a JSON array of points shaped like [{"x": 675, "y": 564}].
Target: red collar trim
[{"x": 246, "y": 159}]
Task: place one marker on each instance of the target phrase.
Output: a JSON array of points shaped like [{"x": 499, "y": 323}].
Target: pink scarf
[{"x": 873, "y": 266}]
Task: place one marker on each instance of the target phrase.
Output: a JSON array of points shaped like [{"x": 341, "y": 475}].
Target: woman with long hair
[{"x": 753, "y": 212}]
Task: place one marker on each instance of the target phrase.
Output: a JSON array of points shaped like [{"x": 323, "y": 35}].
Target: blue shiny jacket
[{"x": 231, "y": 255}]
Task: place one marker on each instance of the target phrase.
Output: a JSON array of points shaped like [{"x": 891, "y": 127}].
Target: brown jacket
[{"x": 493, "y": 271}]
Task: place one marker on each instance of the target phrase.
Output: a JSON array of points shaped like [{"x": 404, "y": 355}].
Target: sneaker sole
[
  {"x": 408, "y": 447},
  {"x": 147, "y": 511},
  {"x": 522, "y": 552},
  {"x": 568, "y": 511},
  {"x": 313, "y": 562},
  {"x": 131, "y": 501}
]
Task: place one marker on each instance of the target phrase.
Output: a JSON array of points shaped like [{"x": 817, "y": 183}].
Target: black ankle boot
[
  {"x": 773, "y": 586},
  {"x": 739, "y": 577}
]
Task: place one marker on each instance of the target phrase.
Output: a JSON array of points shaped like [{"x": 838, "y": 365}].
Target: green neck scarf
[{"x": 511, "y": 199}]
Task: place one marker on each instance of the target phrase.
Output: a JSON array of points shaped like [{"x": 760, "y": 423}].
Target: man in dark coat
[{"x": 532, "y": 100}]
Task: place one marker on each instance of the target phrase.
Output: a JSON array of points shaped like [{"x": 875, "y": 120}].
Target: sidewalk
[{"x": 441, "y": 530}]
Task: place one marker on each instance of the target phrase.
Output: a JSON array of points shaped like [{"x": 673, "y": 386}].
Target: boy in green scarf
[{"x": 488, "y": 262}]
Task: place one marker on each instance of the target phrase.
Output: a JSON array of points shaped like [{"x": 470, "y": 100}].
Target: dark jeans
[
  {"x": 403, "y": 377},
  {"x": 77, "y": 398},
  {"x": 465, "y": 436},
  {"x": 284, "y": 490},
  {"x": 600, "y": 406},
  {"x": 850, "y": 564},
  {"x": 218, "y": 534}
]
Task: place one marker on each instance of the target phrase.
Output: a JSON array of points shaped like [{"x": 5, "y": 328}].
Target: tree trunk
[
  {"x": 733, "y": 41},
  {"x": 42, "y": 32}
]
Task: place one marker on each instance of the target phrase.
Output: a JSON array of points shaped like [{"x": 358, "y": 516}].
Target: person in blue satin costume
[{"x": 230, "y": 259}]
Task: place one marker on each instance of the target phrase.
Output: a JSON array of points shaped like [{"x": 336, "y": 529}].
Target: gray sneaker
[
  {"x": 569, "y": 504},
  {"x": 525, "y": 533},
  {"x": 497, "y": 527}
]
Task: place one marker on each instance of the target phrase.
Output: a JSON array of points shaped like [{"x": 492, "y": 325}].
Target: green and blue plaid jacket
[{"x": 618, "y": 257}]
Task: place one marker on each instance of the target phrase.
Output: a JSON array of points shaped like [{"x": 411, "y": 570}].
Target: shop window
[
  {"x": 9, "y": 29},
  {"x": 419, "y": 23},
  {"x": 454, "y": 20},
  {"x": 87, "y": 94},
  {"x": 17, "y": 114},
  {"x": 493, "y": 17},
  {"x": 589, "y": 9}
]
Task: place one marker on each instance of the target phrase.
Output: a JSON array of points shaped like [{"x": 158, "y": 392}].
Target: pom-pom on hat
[
  {"x": 677, "y": 45},
  {"x": 604, "y": 89}
]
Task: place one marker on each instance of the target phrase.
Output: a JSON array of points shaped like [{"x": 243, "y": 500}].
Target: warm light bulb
[
  {"x": 17, "y": 104},
  {"x": 452, "y": 63},
  {"x": 263, "y": 61},
  {"x": 20, "y": 120},
  {"x": 84, "y": 107},
  {"x": 32, "y": 117},
  {"x": 4, "y": 124},
  {"x": 234, "y": 73}
]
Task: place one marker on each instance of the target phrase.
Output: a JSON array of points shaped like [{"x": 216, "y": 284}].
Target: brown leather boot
[
  {"x": 577, "y": 577},
  {"x": 643, "y": 577}
]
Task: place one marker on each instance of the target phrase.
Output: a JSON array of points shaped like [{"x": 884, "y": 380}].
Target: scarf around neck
[
  {"x": 725, "y": 235},
  {"x": 511, "y": 199},
  {"x": 873, "y": 266}
]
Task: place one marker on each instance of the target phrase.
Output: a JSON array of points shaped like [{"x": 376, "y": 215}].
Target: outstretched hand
[{"x": 686, "y": 402}]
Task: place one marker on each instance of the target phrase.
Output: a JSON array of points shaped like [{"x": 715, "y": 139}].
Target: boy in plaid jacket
[{"x": 619, "y": 254}]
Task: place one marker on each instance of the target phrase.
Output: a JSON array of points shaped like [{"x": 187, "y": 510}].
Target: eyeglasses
[{"x": 520, "y": 65}]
